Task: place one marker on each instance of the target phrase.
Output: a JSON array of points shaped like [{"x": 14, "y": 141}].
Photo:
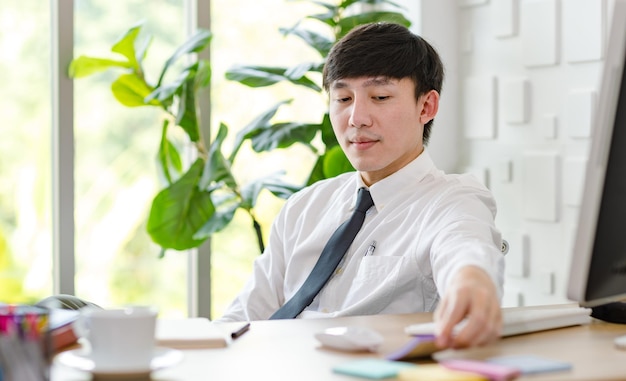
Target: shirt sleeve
[
  {"x": 466, "y": 235},
  {"x": 263, "y": 293}
]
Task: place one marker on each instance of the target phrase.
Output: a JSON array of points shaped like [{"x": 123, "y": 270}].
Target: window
[
  {"x": 114, "y": 149},
  {"x": 25, "y": 193},
  {"x": 115, "y": 172}
]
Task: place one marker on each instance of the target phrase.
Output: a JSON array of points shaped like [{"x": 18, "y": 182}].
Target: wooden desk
[{"x": 287, "y": 350}]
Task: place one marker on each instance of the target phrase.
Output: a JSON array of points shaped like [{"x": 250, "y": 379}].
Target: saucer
[{"x": 79, "y": 359}]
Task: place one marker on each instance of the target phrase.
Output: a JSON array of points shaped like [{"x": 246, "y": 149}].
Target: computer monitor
[{"x": 598, "y": 269}]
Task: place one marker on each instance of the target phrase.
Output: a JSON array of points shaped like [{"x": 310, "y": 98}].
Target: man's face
[{"x": 378, "y": 123}]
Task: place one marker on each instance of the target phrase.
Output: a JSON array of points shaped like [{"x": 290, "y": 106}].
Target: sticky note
[
  {"x": 435, "y": 372},
  {"x": 494, "y": 372},
  {"x": 372, "y": 368},
  {"x": 530, "y": 364},
  {"x": 418, "y": 346}
]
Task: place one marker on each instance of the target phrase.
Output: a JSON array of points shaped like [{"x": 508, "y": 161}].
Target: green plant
[
  {"x": 267, "y": 136},
  {"x": 182, "y": 207},
  {"x": 201, "y": 197}
]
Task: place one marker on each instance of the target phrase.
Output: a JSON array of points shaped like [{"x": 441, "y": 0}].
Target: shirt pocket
[{"x": 377, "y": 279}]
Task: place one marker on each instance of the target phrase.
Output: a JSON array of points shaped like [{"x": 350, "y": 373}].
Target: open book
[{"x": 189, "y": 333}]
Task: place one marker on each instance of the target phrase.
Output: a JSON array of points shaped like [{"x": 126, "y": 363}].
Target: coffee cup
[{"x": 119, "y": 339}]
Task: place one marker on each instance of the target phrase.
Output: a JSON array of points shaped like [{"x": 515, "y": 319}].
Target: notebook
[
  {"x": 517, "y": 321},
  {"x": 189, "y": 333}
]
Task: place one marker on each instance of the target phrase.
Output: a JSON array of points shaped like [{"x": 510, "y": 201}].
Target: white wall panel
[
  {"x": 515, "y": 100},
  {"x": 579, "y": 113},
  {"x": 517, "y": 260},
  {"x": 573, "y": 180},
  {"x": 548, "y": 126},
  {"x": 539, "y": 186},
  {"x": 479, "y": 108},
  {"x": 505, "y": 16},
  {"x": 583, "y": 26},
  {"x": 539, "y": 30},
  {"x": 536, "y": 172}
]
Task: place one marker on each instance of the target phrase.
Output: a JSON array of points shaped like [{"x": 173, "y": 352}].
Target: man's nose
[{"x": 360, "y": 115}]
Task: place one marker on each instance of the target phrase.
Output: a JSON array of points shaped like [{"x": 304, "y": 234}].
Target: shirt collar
[{"x": 385, "y": 190}]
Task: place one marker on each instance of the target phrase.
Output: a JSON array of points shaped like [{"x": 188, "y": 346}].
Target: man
[{"x": 429, "y": 242}]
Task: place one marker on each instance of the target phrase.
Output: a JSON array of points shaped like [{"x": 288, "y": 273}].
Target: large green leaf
[
  {"x": 220, "y": 219},
  {"x": 294, "y": 73},
  {"x": 281, "y": 135},
  {"x": 317, "y": 41},
  {"x": 217, "y": 168},
  {"x": 317, "y": 173},
  {"x": 328, "y": 135},
  {"x": 180, "y": 210},
  {"x": 250, "y": 192},
  {"x": 196, "y": 43},
  {"x": 186, "y": 117},
  {"x": 141, "y": 49},
  {"x": 131, "y": 90},
  {"x": 168, "y": 154},
  {"x": 282, "y": 190},
  {"x": 84, "y": 66},
  {"x": 165, "y": 92},
  {"x": 278, "y": 187},
  {"x": 198, "y": 73},
  {"x": 332, "y": 12},
  {"x": 261, "y": 76},
  {"x": 348, "y": 3},
  {"x": 126, "y": 46},
  {"x": 203, "y": 74},
  {"x": 336, "y": 162},
  {"x": 259, "y": 123}
]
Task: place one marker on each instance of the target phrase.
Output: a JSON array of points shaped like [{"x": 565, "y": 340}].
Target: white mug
[{"x": 119, "y": 339}]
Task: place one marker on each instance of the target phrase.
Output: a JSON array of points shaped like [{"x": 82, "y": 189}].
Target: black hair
[{"x": 388, "y": 50}]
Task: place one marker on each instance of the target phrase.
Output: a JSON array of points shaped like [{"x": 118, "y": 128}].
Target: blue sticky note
[
  {"x": 372, "y": 368},
  {"x": 529, "y": 364}
]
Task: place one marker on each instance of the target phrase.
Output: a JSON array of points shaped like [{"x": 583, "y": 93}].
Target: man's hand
[{"x": 471, "y": 296}]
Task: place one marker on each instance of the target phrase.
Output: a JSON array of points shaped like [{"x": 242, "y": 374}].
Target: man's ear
[{"x": 430, "y": 107}]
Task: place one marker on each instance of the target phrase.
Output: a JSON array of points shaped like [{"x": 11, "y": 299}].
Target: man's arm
[
  {"x": 262, "y": 294},
  {"x": 471, "y": 295}
]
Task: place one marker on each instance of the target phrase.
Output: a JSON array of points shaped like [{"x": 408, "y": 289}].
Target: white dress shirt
[{"x": 426, "y": 225}]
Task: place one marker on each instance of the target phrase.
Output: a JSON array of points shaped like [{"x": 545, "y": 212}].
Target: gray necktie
[{"x": 332, "y": 254}]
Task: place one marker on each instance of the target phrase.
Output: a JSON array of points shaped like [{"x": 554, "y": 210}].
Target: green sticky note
[{"x": 372, "y": 368}]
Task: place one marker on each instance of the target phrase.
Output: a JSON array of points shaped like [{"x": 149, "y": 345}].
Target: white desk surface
[{"x": 287, "y": 350}]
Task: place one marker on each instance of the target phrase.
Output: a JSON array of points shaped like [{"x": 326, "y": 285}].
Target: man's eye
[
  {"x": 381, "y": 98},
  {"x": 343, "y": 100}
]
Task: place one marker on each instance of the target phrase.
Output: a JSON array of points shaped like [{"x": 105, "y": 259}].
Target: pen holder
[{"x": 24, "y": 343}]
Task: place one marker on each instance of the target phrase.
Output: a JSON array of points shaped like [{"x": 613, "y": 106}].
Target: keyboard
[{"x": 519, "y": 321}]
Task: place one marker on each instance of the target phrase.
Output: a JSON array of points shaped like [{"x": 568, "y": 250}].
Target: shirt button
[
  {"x": 339, "y": 271},
  {"x": 325, "y": 310}
]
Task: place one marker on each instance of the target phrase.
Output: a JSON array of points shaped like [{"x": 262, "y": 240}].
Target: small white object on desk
[{"x": 350, "y": 339}]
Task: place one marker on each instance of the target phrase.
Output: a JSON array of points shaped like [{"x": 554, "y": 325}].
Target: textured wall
[{"x": 528, "y": 80}]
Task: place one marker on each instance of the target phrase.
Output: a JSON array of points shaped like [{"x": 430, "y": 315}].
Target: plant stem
[{"x": 259, "y": 234}]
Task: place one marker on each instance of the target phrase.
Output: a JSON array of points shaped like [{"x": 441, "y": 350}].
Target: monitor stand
[{"x": 611, "y": 312}]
